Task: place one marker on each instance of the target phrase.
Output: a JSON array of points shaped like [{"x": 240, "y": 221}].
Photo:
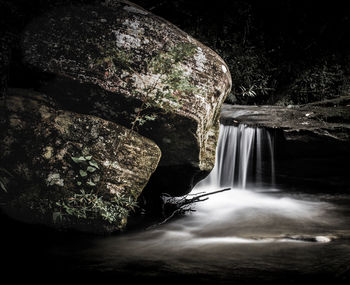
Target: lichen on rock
[
  {"x": 133, "y": 59},
  {"x": 71, "y": 170}
]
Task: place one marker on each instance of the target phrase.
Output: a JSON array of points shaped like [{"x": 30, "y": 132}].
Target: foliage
[
  {"x": 317, "y": 83},
  {"x": 251, "y": 74},
  {"x": 87, "y": 171},
  {"x": 89, "y": 205},
  {"x": 80, "y": 204},
  {"x": 267, "y": 54},
  {"x": 85, "y": 205},
  {"x": 235, "y": 39}
]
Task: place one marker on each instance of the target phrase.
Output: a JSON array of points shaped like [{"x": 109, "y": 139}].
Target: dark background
[
  {"x": 278, "y": 51},
  {"x": 282, "y": 47},
  {"x": 285, "y": 51}
]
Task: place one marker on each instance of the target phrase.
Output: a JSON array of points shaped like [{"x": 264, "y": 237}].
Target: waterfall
[{"x": 244, "y": 155}]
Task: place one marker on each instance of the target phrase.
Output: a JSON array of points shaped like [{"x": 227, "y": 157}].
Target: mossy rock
[
  {"x": 68, "y": 169},
  {"x": 115, "y": 58}
]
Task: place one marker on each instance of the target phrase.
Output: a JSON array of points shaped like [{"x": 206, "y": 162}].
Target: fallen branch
[
  {"x": 198, "y": 197},
  {"x": 182, "y": 205}
]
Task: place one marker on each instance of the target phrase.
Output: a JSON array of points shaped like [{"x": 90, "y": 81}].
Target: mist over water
[
  {"x": 253, "y": 230},
  {"x": 257, "y": 214}
]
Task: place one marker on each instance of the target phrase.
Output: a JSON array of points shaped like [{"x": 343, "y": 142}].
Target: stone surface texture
[
  {"x": 118, "y": 61},
  {"x": 40, "y": 143}
]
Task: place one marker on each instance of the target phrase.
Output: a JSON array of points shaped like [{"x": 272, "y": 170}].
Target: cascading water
[
  {"x": 244, "y": 155},
  {"x": 236, "y": 235}
]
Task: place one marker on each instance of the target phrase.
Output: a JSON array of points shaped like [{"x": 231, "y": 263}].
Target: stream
[{"x": 256, "y": 233}]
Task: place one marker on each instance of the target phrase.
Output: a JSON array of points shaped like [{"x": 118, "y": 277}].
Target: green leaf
[
  {"x": 79, "y": 183},
  {"x": 90, "y": 183},
  {"x": 78, "y": 159},
  {"x": 94, "y": 164},
  {"x": 91, "y": 169},
  {"x": 88, "y": 157},
  {"x": 82, "y": 173}
]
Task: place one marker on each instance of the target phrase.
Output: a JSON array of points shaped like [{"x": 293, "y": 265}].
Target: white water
[
  {"x": 244, "y": 215},
  {"x": 244, "y": 154},
  {"x": 255, "y": 235},
  {"x": 245, "y": 233}
]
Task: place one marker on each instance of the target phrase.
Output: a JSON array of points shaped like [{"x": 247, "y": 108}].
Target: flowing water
[
  {"x": 243, "y": 154},
  {"x": 253, "y": 233}
]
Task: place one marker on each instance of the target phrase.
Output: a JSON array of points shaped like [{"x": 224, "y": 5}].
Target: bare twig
[
  {"x": 183, "y": 205},
  {"x": 198, "y": 197}
]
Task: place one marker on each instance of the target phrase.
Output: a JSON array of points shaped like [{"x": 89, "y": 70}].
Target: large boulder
[
  {"x": 119, "y": 62},
  {"x": 67, "y": 169}
]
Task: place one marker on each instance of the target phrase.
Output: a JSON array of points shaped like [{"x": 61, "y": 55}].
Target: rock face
[
  {"x": 119, "y": 62},
  {"x": 67, "y": 169},
  {"x": 312, "y": 142},
  {"x": 326, "y": 120}
]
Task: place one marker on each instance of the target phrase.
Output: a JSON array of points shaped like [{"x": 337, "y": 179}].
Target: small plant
[
  {"x": 251, "y": 73},
  {"x": 88, "y": 205},
  {"x": 85, "y": 205},
  {"x": 88, "y": 171},
  {"x": 248, "y": 91}
]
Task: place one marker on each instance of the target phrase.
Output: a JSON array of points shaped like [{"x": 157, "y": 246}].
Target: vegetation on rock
[
  {"x": 66, "y": 168},
  {"x": 158, "y": 81},
  {"x": 170, "y": 88}
]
